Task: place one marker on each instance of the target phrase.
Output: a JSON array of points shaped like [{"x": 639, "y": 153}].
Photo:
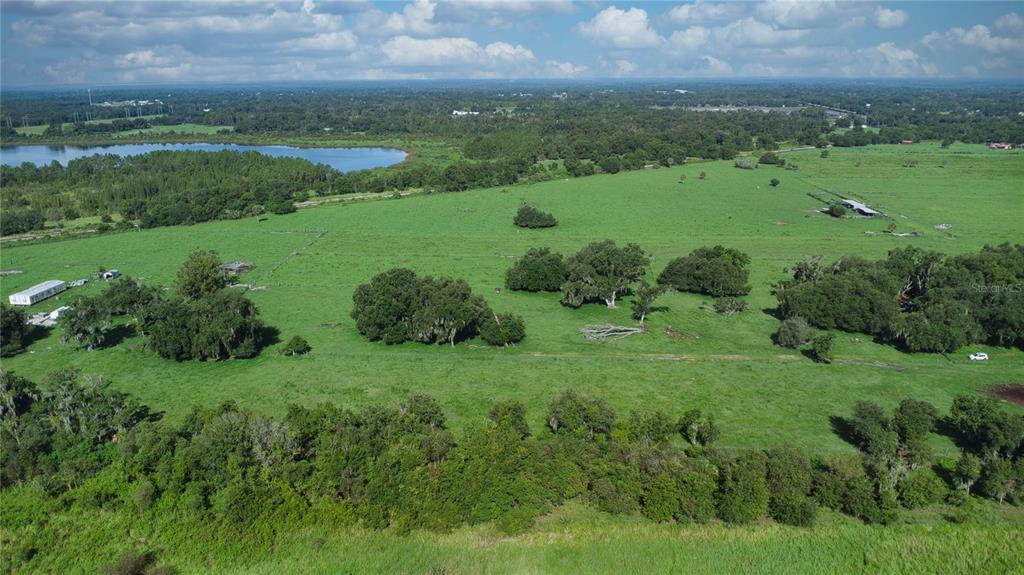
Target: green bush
[
  {"x": 743, "y": 489},
  {"x": 921, "y": 488},
  {"x": 793, "y": 332},
  {"x": 297, "y": 345},
  {"x": 716, "y": 271},
  {"x": 729, "y": 305},
  {"x": 503, "y": 329},
  {"x": 530, "y": 217},
  {"x": 539, "y": 269}
]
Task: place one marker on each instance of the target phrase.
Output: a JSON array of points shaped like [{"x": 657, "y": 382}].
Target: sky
[{"x": 85, "y": 42}]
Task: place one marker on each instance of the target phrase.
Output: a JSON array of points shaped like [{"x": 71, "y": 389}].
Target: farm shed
[
  {"x": 112, "y": 274},
  {"x": 860, "y": 208},
  {"x": 38, "y": 292}
]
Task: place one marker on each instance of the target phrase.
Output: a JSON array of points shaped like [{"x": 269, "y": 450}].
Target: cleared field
[
  {"x": 308, "y": 264},
  {"x": 39, "y": 129},
  {"x": 175, "y": 129}
]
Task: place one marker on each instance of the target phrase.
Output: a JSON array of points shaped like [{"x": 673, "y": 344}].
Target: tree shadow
[
  {"x": 269, "y": 335},
  {"x": 843, "y": 429},
  {"x": 119, "y": 334},
  {"x": 945, "y": 427},
  {"x": 774, "y": 312}
]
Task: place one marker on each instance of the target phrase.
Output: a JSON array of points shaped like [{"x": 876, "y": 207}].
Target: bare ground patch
[{"x": 1012, "y": 392}]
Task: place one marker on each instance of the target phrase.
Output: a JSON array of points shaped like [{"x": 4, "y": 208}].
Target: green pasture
[
  {"x": 309, "y": 263},
  {"x": 39, "y": 129}
]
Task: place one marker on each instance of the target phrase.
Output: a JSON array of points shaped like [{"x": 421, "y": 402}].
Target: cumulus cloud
[
  {"x": 558, "y": 69},
  {"x": 978, "y": 37},
  {"x": 415, "y": 18},
  {"x": 751, "y": 32},
  {"x": 449, "y": 51},
  {"x": 1012, "y": 23},
  {"x": 702, "y": 11},
  {"x": 800, "y": 13},
  {"x": 885, "y": 18},
  {"x": 621, "y": 28},
  {"x": 693, "y": 38},
  {"x": 341, "y": 41}
]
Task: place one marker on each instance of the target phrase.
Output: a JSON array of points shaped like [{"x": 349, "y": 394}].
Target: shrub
[
  {"x": 530, "y": 217},
  {"x": 510, "y": 414},
  {"x": 821, "y": 348},
  {"x": 611, "y": 164},
  {"x": 698, "y": 428},
  {"x": 698, "y": 484},
  {"x": 716, "y": 271},
  {"x": 701, "y": 176},
  {"x": 774, "y": 182},
  {"x": 503, "y": 329},
  {"x": 539, "y": 269},
  {"x": 729, "y": 305},
  {"x": 743, "y": 490},
  {"x": 131, "y": 563},
  {"x": 660, "y": 498},
  {"x": 771, "y": 158},
  {"x": 793, "y": 332},
  {"x": 574, "y": 414},
  {"x": 297, "y": 345},
  {"x": 836, "y": 210},
  {"x": 744, "y": 165},
  {"x": 922, "y": 487}
]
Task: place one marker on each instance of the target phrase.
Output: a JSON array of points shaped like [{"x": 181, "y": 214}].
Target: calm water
[{"x": 341, "y": 159}]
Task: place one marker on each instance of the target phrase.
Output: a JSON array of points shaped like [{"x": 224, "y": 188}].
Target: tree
[
  {"x": 539, "y": 269},
  {"x": 13, "y": 330},
  {"x": 297, "y": 345},
  {"x": 87, "y": 323},
  {"x": 774, "y": 182},
  {"x": 611, "y": 164},
  {"x": 771, "y": 158},
  {"x": 602, "y": 271},
  {"x": 697, "y": 428},
  {"x": 824, "y": 154},
  {"x": 643, "y": 299},
  {"x": 821, "y": 348},
  {"x": 967, "y": 471},
  {"x": 447, "y": 310},
  {"x": 530, "y": 217},
  {"x": 503, "y": 329},
  {"x": 793, "y": 332},
  {"x": 383, "y": 308},
  {"x": 729, "y": 305},
  {"x": 225, "y": 325},
  {"x": 575, "y": 414},
  {"x": 836, "y": 210},
  {"x": 128, "y": 296},
  {"x": 743, "y": 490},
  {"x": 716, "y": 271},
  {"x": 201, "y": 275}
]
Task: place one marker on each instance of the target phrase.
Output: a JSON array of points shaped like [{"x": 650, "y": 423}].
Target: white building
[{"x": 38, "y": 292}]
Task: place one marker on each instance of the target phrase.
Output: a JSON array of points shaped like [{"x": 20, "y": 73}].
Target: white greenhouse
[{"x": 38, "y": 292}]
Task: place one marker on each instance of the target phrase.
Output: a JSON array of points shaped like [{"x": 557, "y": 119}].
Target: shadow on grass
[
  {"x": 269, "y": 335},
  {"x": 843, "y": 429}
]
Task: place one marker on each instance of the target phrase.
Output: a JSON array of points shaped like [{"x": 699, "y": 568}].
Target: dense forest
[{"x": 501, "y": 137}]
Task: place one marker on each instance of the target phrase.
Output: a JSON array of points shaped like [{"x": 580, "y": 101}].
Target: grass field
[
  {"x": 198, "y": 129},
  {"x": 310, "y": 262},
  {"x": 38, "y": 130}
]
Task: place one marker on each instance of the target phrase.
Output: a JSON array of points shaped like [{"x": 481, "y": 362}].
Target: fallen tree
[{"x": 607, "y": 331}]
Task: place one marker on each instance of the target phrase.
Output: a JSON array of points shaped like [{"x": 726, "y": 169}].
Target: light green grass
[
  {"x": 761, "y": 394},
  {"x": 198, "y": 129},
  {"x": 38, "y": 130}
]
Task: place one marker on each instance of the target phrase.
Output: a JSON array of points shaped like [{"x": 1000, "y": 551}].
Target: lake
[{"x": 341, "y": 159}]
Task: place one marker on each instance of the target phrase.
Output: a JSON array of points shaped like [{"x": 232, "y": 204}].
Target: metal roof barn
[
  {"x": 38, "y": 292},
  {"x": 860, "y": 208}
]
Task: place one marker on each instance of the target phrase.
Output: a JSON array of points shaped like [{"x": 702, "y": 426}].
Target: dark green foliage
[
  {"x": 985, "y": 428},
  {"x": 643, "y": 299},
  {"x": 698, "y": 428},
  {"x": 611, "y": 164},
  {"x": 128, "y": 296},
  {"x": 830, "y": 480},
  {"x": 698, "y": 483},
  {"x": 922, "y": 488},
  {"x": 130, "y": 564},
  {"x": 744, "y": 165},
  {"x": 503, "y": 329},
  {"x": 13, "y": 330},
  {"x": 716, "y": 271},
  {"x": 821, "y": 348},
  {"x": 743, "y": 490},
  {"x": 297, "y": 345},
  {"x": 602, "y": 271},
  {"x": 221, "y": 325},
  {"x": 774, "y": 182},
  {"x": 789, "y": 478},
  {"x": 771, "y": 158},
  {"x": 539, "y": 269},
  {"x": 836, "y": 210},
  {"x": 20, "y": 221},
  {"x": 398, "y": 306},
  {"x": 511, "y": 414},
  {"x": 660, "y": 498},
  {"x": 530, "y": 217},
  {"x": 87, "y": 324},
  {"x": 793, "y": 332},
  {"x": 584, "y": 416},
  {"x": 967, "y": 471},
  {"x": 654, "y": 426},
  {"x": 200, "y": 276},
  {"x": 729, "y": 305},
  {"x": 918, "y": 300}
]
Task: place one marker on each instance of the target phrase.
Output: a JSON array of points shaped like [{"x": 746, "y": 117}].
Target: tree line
[{"x": 401, "y": 467}]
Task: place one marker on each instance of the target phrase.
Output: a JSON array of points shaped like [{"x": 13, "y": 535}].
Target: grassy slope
[{"x": 763, "y": 395}]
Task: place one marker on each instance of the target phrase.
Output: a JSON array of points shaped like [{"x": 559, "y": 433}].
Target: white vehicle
[{"x": 979, "y": 356}]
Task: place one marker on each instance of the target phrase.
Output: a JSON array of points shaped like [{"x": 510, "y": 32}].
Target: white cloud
[
  {"x": 690, "y": 39},
  {"x": 800, "y": 13},
  {"x": 751, "y": 32},
  {"x": 702, "y": 11},
  {"x": 715, "y": 66},
  {"x": 886, "y": 19},
  {"x": 625, "y": 67},
  {"x": 341, "y": 41},
  {"x": 1012, "y": 23},
  {"x": 140, "y": 58},
  {"x": 621, "y": 28},
  {"x": 416, "y": 18},
  {"x": 563, "y": 69},
  {"x": 451, "y": 51},
  {"x": 889, "y": 61},
  {"x": 515, "y": 6},
  {"x": 978, "y": 36}
]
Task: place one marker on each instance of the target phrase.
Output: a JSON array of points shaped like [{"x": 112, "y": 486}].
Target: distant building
[
  {"x": 37, "y": 293},
  {"x": 905, "y": 142},
  {"x": 236, "y": 267},
  {"x": 1000, "y": 146},
  {"x": 860, "y": 208}
]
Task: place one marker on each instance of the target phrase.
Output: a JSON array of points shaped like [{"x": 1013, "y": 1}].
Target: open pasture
[{"x": 309, "y": 263}]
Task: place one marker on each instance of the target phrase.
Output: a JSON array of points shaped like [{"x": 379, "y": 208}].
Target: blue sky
[{"x": 86, "y": 42}]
